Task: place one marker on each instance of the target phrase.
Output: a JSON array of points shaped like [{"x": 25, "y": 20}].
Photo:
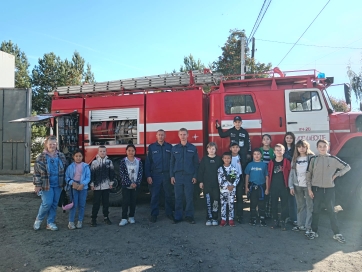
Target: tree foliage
[
  {"x": 22, "y": 78},
  {"x": 339, "y": 105},
  {"x": 356, "y": 82},
  {"x": 52, "y": 72},
  {"x": 229, "y": 61},
  {"x": 191, "y": 64}
]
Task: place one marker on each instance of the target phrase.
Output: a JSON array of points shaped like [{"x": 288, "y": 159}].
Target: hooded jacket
[{"x": 322, "y": 168}]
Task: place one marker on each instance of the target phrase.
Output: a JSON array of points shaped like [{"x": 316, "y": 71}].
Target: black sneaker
[
  {"x": 153, "y": 219},
  {"x": 170, "y": 217},
  {"x": 283, "y": 225},
  {"x": 107, "y": 221},
  {"x": 93, "y": 223},
  {"x": 252, "y": 222},
  {"x": 262, "y": 223},
  {"x": 174, "y": 221},
  {"x": 275, "y": 224},
  {"x": 190, "y": 220}
]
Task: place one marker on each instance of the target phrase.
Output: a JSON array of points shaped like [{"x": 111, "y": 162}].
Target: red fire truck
[{"x": 116, "y": 112}]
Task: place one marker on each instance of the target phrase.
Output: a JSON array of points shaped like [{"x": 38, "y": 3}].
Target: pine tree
[{"x": 22, "y": 78}]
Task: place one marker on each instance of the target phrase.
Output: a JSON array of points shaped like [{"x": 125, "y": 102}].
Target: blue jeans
[
  {"x": 184, "y": 188},
  {"x": 49, "y": 204},
  {"x": 79, "y": 198}
]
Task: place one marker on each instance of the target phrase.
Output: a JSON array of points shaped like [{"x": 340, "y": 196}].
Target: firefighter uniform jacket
[
  {"x": 184, "y": 160},
  {"x": 241, "y": 137},
  {"x": 158, "y": 159}
]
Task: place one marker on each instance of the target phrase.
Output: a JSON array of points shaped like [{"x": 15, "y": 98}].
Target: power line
[
  {"x": 312, "y": 45},
  {"x": 303, "y": 33},
  {"x": 260, "y": 17}
]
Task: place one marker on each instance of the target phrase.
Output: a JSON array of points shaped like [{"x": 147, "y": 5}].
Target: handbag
[
  {"x": 64, "y": 202},
  {"x": 67, "y": 207}
]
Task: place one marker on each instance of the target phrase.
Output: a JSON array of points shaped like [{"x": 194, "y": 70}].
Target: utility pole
[
  {"x": 252, "y": 47},
  {"x": 242, "y": 55}
]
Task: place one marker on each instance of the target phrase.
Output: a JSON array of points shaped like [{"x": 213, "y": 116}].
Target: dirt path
[{"x": 162, "y": 246}]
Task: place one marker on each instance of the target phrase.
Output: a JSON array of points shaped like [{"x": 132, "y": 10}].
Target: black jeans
[
  {"x": 99, "y": 195},
  {"x": 128, "y": 201},
  {"x": 277, "y": 190},
  {"x": 212, "y": 199},
  {"x": 239, "y": 198},
  {"x": 326, "y": 195},
  {"x": 255, "y": 201}
]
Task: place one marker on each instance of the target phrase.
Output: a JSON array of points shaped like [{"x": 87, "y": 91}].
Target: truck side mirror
[{"x": 347, "y": 93}]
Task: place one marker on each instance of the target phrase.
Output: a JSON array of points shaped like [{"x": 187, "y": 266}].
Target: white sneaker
[
  {"x": 123, "y": 222},
  {"x": 37, "y": 224},
  {"x": 71, "y": 226},
  {"x": 52, "y": 226},
  {"x": 307, "y": 232},
  {"x": 131, "y": 220},
  {"x": 312, "y": 235},
  {"x": 339, "y": 238},
  {"x": 208, "y": 223},
  {"x": 214, "y": 222},
  {"x": 79, "y": 224}
]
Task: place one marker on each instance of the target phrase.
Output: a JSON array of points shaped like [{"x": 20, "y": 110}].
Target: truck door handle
[
  {"x": 289, "y": 123},
  {"x": 280, "y": 121}
]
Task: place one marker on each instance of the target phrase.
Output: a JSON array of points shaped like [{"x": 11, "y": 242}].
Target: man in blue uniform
[
  {"x": 157, "y": 170},
  {"x": 183, "y": 170}
]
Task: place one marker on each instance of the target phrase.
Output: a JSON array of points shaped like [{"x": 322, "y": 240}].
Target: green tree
[
  {"x": 191, "y": 64},
  {"x": 52, "y": 72},
  {"x": 356, "y": 82},
  {"x": 229, "y": 61},
  {"x": 339, "y": 105},
  {"x": 22, "y": 78}
]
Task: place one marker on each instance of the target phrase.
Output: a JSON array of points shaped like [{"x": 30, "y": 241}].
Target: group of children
[
  {"x": 100, "y": 176},
  {"x": 287, "y": 171}
]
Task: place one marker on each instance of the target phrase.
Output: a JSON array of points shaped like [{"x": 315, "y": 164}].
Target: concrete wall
[{"x": 7, "y": 70}]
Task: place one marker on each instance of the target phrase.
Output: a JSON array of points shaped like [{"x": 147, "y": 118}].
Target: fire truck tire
[
  {"x": 349, "y": 187},
  {"x": 115, "y": 196}
]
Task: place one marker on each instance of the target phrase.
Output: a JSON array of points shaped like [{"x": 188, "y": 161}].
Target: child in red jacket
[{"x": 278, "y": 170}]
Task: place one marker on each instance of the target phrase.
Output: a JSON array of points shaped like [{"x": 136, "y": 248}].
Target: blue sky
[{"x": 123, "y": 39}]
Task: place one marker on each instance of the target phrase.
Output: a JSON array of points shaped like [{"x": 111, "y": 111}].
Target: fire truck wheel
[{"x": 115, "y": 196}]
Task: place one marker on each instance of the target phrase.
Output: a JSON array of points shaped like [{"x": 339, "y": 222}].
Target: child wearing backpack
[
  {"x": 208, "y": 181},
  {"x": 257, "y": 187},
  {"x": 131, "y": 170},
  {"x": 77, "y": 178},
  {"x": 323, "y": 169},
  {"x": 298, "y": 186},
  {"x": 279, "y": 169},
  {"x": 228, "y": 178}
]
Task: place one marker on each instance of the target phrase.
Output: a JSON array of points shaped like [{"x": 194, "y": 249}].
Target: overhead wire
[
  {"x": 304, "y": 32},
  {"x": 259, "y": 19},
  {"x": 312, "y": 45}
]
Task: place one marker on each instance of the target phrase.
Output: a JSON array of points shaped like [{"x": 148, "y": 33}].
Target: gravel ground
[{"x": 163, "y": 246}]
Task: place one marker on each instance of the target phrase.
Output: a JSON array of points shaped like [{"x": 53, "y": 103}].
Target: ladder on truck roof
[{"x": 164, "y": 81}]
